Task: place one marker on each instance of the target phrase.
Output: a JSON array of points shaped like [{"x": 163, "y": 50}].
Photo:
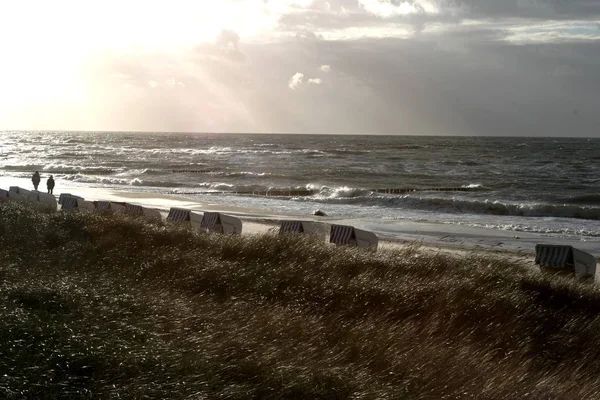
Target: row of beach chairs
[
  {"x": 341, "y": 235},
  {"x": 550, "y": 258},
  {"x": 553, "y": 258},
  {"x": 38, "y": 199}
]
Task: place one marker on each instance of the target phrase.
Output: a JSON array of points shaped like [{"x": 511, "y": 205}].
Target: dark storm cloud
[
  {"x": 427, "y": 86},
  {"x": 543, "y": 9}
]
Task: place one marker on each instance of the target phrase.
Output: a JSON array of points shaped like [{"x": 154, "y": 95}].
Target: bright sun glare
[{"x": 46, "y": 44}]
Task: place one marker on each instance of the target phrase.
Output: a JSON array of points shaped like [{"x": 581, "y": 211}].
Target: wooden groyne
[
  {"x": 307, "y": 192},
  {"x": 110, "y": 172},
  {"x": 440, "y": 189},
  {"x": 279, "y": 192}
]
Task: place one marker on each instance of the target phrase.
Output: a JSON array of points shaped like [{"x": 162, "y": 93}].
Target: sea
[{"x": 543, "y": 185}]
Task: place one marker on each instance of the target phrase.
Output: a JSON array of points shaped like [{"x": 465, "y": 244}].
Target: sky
[{"x": 414, "y": 67}]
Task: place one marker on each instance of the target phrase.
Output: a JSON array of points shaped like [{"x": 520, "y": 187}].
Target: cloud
[
  {"x": 228, "y": 42},
  {"x": 392, "y": 8},
  {"x": 296, "y": 81},
  {"x": 481, "y": 67},
  {"x": 228, "y": 37}
]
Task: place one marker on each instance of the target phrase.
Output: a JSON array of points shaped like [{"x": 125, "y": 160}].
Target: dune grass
[{"x": 97, "y": 306}]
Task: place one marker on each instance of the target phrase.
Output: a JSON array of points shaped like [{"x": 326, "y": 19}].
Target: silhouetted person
[
  {"x": 36, "y": 180},
  {"x": 50, "y": 184}
]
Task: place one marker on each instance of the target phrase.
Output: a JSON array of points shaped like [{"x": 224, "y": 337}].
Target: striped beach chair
[
  {"x": 102, "y": 206},
  {"x": 344, "y": 235},
  {"x": 139, "y": 211},
  {"x": 68, "y": 204},
  {"x": 291, "y": 227},
  {"x": 298, "y": 227},
  {"x": 179, "y": 215},
  {"x": 210, "y": 220},
  {"x": 221, "y": 223},
  {"x": 565, "y": 259},
  {"x": 134, "y": 209},
  {"x": 75, "y": 204},
  {"x": 109, "y": 207},
  {"x": 184, "y": 216},
  {"x": 63, "y": 195}
]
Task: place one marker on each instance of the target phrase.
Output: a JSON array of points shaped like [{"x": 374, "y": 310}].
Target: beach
[{"x": 392, "y": 234}]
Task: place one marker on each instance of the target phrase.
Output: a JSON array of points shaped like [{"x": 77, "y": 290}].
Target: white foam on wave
[{"x": 463, "y": 205}]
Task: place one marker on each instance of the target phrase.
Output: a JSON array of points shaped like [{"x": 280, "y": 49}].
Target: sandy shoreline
[{"x": 392, "y": 234}]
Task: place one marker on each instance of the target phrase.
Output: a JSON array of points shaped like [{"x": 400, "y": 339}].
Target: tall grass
[{"x": 97, "y": 306}]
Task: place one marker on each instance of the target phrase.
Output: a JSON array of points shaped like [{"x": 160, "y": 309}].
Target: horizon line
[{"x": 292, "y": 133}]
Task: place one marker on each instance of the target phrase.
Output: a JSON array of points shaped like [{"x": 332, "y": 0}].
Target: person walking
[
  {"x": 36, "y": 180},
  {"x": 50, "y": 184}
]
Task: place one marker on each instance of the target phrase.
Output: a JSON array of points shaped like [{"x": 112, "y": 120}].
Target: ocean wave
[
  {"x": 58, "y": 169},
  {"x": 22, "y": 168},
  {"x": 537, "y": 229},
  {"x": 342, "y": 192},
  {"x": 473, "y": 186},
  {"x": 468, "y": 163},
  {"x": 453, "y": 205},
  {"x": 409, "y": 147},
  {"x": 499, "y": 208},
  {"x": 240, "y": 174},
  {"x": 116, "y": 181},
  {"x": 350, "y": 152},
  {"x": 590, "y": 199}
]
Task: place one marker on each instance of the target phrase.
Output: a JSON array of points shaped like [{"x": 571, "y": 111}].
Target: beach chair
[
  {"x": 298, "y": 227},
  {"x": 18, "y": 194},
  {"x": 139, "y": 211},
  {"x": 343, "y": 235},
  {"x": 565, "y": 259},
  {"x": 3, "y": 195},
  {"x": 63, "y": 195},
  {"x": 76, "y": 204},
  {"x": 221, "y": 223},
  {"x": 109, "y": 207},
  {"x": 42, "y": 200},
  {"x": 184, "y": 216}
]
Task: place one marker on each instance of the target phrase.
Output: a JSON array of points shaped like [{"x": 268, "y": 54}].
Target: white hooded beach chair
[
  {"x": 562, "y": 258},
  {"x": 298, "y": 227},
  {"x": 184, "y": 216},
  {"x": 139, "y": 211},
  {"x": 76, "y": 204},
  {"x": 43, "y": 200},
  {"x": 18, "y": 194},
  {"x": 343, "y": 235},
  {"x": 221, "y": 223}
]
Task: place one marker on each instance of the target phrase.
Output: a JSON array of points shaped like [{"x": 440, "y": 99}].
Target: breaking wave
[{"x": 471, "y": 206}]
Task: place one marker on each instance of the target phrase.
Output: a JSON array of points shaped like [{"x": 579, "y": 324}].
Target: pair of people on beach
[{"x": 36, "y": 182}]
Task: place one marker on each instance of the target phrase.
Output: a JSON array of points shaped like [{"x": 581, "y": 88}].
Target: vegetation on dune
[{"x": 98, "y": 306}]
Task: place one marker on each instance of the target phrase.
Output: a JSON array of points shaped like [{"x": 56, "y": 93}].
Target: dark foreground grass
[{"x": 94, "y": 306}]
